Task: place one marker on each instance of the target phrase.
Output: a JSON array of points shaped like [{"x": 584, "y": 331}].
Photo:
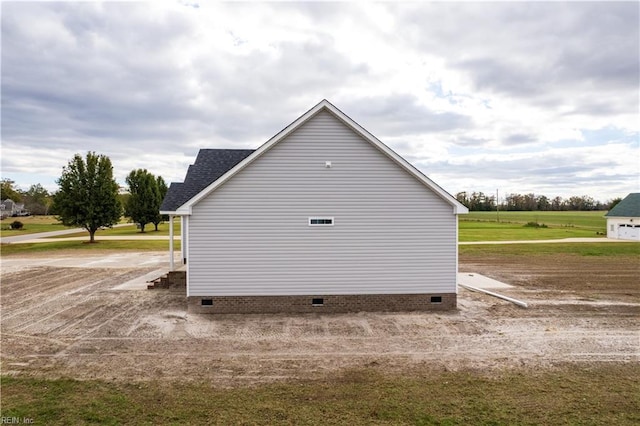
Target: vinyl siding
[
  {"x": 615, "y": 222},
  {"x": 391, "y": 234}
]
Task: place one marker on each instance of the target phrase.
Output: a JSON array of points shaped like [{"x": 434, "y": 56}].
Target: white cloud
[{"x": 478, "y": 95}]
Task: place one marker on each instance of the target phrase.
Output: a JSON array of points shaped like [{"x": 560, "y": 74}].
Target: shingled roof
[
  {"x": 210, "y": 164},
  {"x": 628, "y": 207}
]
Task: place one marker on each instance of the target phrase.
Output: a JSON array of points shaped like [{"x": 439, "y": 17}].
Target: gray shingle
[
  {"x": 628, "y": 207},
  {"x": 172, "y": 197},
  {"x": 210, "y": 164}
]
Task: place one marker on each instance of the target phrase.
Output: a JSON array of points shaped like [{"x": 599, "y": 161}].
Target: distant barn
[
  {"x": 623, "y": 220},
  {"x": 321, "y": 218}
]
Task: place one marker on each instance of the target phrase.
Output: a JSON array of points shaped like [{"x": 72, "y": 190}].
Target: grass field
[
  {"x": 59, "y": 246},
  {"x": 36, "y": 224},
  {"x": 133, "y": 231},
  {"x": 32, "y": 225},
  {"x": 583, "y": 249},
  {"x": 601, "y": 394},
  {"x": 484, "y": 226},
  {"x": 582, "y": 219}
]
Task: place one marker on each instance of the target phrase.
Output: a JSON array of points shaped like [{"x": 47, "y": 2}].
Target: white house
[
  {"x": 10, "y": 208},
  {"x": 623, "y": 220},
  {"x": 323, "y": 217}
]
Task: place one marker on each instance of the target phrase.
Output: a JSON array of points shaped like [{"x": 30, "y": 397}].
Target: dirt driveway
[{"x": 75, "y": 322}]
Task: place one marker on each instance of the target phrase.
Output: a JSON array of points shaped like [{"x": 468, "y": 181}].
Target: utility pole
[{"x": 497, "y": 206}]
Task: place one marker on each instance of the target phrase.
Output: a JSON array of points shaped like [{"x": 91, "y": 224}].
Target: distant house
[
  {"x": 9, "y": 208},
  {"x": 323, "y": 217},
  {"x": 623, "y": 220}
]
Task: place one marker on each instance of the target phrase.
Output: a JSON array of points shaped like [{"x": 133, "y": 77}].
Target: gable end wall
[{"x": 392, "y": 235}]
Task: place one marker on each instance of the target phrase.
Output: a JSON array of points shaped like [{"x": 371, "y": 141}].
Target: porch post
[
  {"x": 183, "y": 235},
  {"x": 171, "y": 266}
]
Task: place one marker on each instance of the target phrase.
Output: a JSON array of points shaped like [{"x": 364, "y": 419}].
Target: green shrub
[
  {"x": 16, "y": 224},
  {"x": 535, "y": 225}
]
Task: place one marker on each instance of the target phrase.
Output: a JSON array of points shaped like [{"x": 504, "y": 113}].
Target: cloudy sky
[{"x": 524, "y": 97}]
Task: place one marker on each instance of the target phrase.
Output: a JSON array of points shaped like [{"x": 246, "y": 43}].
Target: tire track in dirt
[
  {"x": 92, "y": 331},
  {"x": 68, "y": 297},
  {"x": 57, "y": 279},
  {"x": 60, "y": 283}
]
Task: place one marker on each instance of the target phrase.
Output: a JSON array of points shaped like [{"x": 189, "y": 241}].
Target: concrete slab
[{"x": 480, "y": 281}]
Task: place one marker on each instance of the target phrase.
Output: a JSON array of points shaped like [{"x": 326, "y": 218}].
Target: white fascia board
[
  {"x": 178, "y": 212},
  {"x": 458, "y": 208}
]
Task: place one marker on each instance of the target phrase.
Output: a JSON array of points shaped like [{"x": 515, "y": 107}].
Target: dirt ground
[{"x": 79, "y": 322}]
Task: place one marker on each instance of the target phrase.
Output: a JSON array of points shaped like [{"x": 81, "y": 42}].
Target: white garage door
[{"x": 629, "y": 232}]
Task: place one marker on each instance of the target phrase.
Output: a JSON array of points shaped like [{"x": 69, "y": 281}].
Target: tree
[
  {"x": 558, "y": 204},
  {"x": 462, "y": 198},
  {"x": 142, "y": 205},
  {"x": 515, "y": 202},
  {"x": 543, "y": 203},
  {"x": 7, "y": 191},
  {"x": 88, "y": 195},
  {"x": 581, "y": 203},
  {"x": 612, "y": 203},
  {"x": 161, "y": 191},
  {"x": 37, "y": 200},
  {"x": 529, "y": 202},
  {"x": 477, "y": 201}
]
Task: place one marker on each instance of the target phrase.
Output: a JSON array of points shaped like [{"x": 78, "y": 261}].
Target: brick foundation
[{"x": 330, "y": 303}]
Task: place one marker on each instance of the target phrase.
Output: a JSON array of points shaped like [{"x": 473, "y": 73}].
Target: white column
[
  {"x": 183, "y": 236},
  {"x": 171, "y": 266}
]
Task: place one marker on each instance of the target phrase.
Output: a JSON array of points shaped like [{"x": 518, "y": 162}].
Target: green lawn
[
  {"x": 36, "y": 224},
  {"x": 567, "y": 395},
  {"x": 631, "y": 249},
  {"x": 58, "y": 246},
  {"x": 493, "y": 231},
  {"x": 32, "y": 225},
  {"x": 133, "y": 231},
  {"x": 484, "y": 226},
  {"x": 591, "y": 219},
  {"x": 133, "y": 244}
]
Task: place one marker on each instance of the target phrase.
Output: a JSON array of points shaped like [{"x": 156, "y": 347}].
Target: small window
[
  {"x": 436, "y": 299},
  {"x": 611, "y": 228},
  {"x": 206, "y": 302},
  {"x": 317, "y": 301},
  {"x": 320, "y": 221}
]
